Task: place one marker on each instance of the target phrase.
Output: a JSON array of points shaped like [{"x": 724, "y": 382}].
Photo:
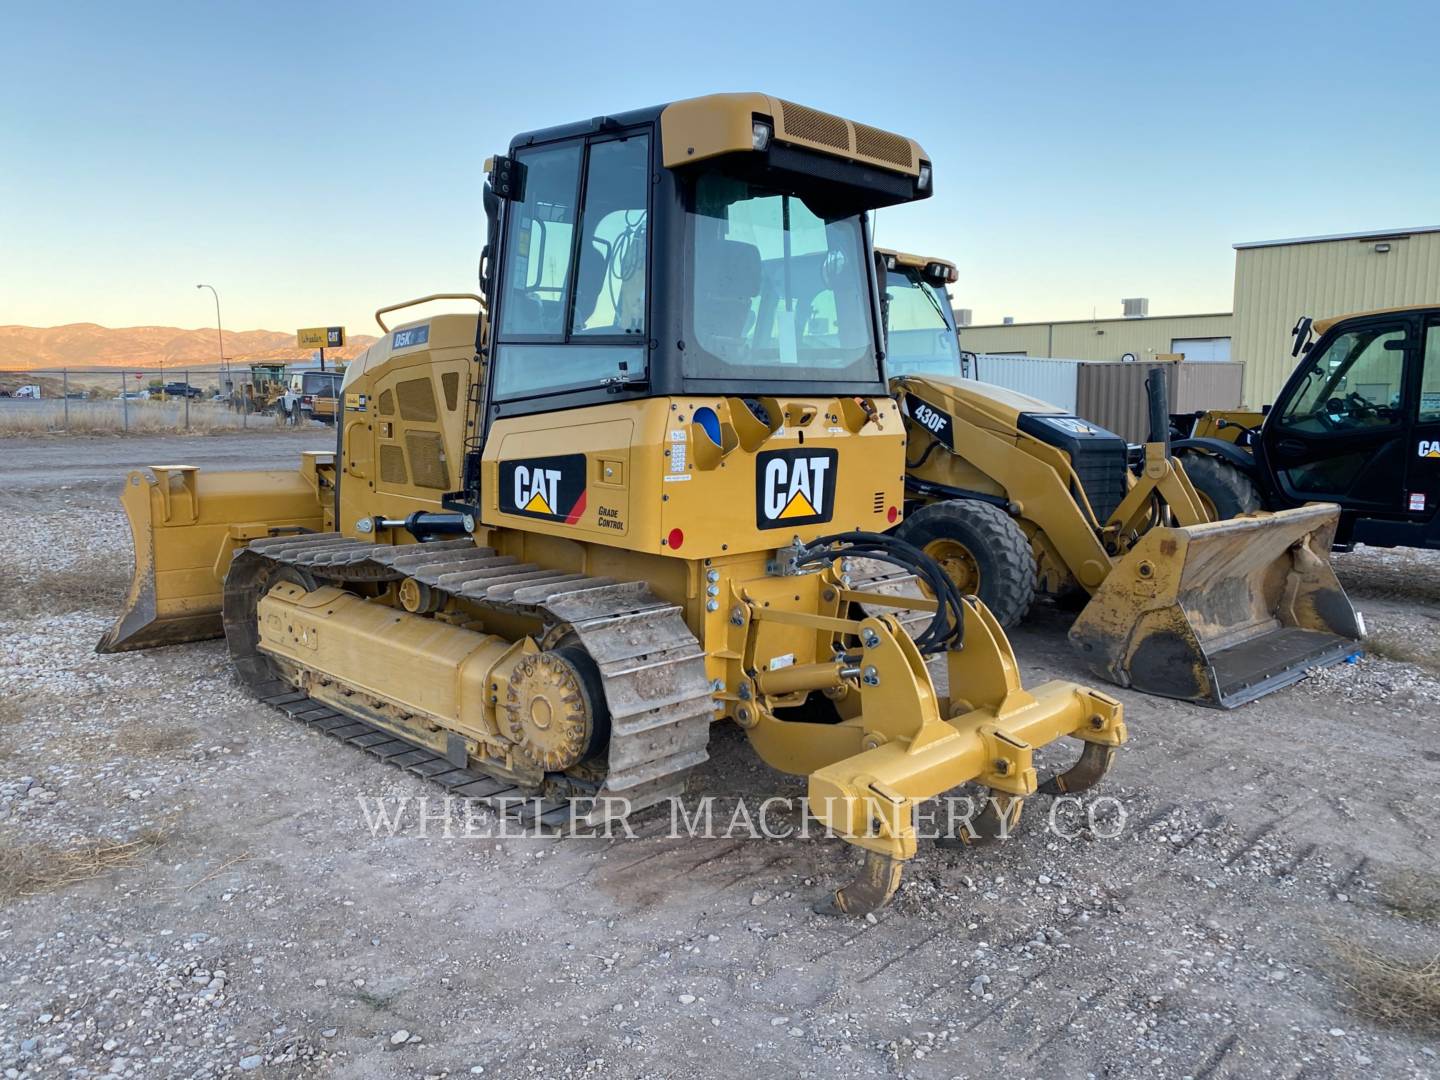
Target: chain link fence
[{"x": 106, "y": 400}]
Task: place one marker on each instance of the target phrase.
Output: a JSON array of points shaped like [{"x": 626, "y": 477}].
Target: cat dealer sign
[{"x": 320, "y": 337}]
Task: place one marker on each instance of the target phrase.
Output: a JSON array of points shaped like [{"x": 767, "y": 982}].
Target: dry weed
[
  {"x": 1411, "y": 893},
  {"x": 1389, "y": 989},
  {"x": 29, "y": 869},
  {"x": 95, "y": 583},
  {"x": 1388, "y": 648}
]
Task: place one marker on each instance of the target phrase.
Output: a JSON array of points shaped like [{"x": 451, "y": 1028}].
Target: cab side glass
[
  {"x": 610, "y": 275},
  {"x": 1430, "y": 377},
  {"x": 1356, "y": 384},
  {"x": 919, "y": 337},
  {"x": 541, "y": 231}
]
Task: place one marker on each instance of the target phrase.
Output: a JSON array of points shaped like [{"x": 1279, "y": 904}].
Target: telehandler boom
[
  {"x": 564, "y": 535},
  {"x": 1012, "y": 495}
]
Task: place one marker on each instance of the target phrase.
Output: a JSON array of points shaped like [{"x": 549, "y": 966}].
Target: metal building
[
  {"x": 1198, "y": 337},
  {"x": 1277, "y": 281}
]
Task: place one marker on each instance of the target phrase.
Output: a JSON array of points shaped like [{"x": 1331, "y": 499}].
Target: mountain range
[{"x": 77, "y": 345}]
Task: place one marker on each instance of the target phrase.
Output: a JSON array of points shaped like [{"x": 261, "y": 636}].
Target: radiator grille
[
  {"x": 815, "y": 126},
  {"x": 417, "y": 400},
  {"x": 387, "y": 404},
  {"x": 879, "y": 502},
  {"x": 450, "y": 383},
  {"x": 392, "y": 465},
  {"x": 883, "y": 146},
  {"x": 427, "y": 459}
]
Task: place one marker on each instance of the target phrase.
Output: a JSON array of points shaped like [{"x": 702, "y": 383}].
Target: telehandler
[
  {"x": 561, "y": 537},
  {"x": 1010, "y": 495},
  {"x": 1357, "y": 424}
]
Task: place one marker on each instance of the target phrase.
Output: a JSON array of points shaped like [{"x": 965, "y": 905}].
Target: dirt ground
[{"x": 188, "y": 886}]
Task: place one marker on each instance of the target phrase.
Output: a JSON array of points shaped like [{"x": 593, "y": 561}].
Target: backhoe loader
[
  {"x": 562, "y": 536},
  {"x": 1012, "y": 495}
]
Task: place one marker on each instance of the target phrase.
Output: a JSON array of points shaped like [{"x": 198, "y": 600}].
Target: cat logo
[
  {"x": 1430, "y": 448},
  {"x": 552, "y": 488},
  {"x": 794, "y": 487},
  {"x": 935, "y": 421}
]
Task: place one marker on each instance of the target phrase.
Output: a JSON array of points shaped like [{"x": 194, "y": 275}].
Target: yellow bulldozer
[
  {"x": 634, "y": 494},
  {"x": 1012, "y": 496}
]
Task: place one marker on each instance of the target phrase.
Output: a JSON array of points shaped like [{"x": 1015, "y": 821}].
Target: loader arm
[
  {"x": 1037, "y": 480},
  {"x": 1214, "y": 612}
]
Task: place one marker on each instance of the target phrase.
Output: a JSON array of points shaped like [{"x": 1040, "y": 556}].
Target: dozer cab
[
  {"x": 1356, "y": 424},
  {"x": 1013, "y": 496},
  {"x": 563, "y": 536}
]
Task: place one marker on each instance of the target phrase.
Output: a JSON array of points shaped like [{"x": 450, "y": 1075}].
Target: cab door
[
  {"x": 1341, "y": 432},
  {"x": 1422, "y": 485}
]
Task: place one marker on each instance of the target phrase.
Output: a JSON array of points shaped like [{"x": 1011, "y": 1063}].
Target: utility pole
[{"x": 220, "y": 339}]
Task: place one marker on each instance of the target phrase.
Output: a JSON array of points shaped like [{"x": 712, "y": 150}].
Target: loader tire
[
  {"x": 982, "y": 549},
  {"x": 1225, "y": 490}
]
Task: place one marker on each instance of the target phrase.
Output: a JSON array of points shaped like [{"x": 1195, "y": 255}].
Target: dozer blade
[
  {"x": 185, "y": 527},
  {"x": 1222, "y": 613}
]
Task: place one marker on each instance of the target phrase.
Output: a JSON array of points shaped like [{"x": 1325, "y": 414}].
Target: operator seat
[{"x": 728, "y": 279}]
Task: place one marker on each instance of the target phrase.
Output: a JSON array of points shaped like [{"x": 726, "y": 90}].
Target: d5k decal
[
  {"x": 551, "y": 488},
  {"x": 794, "y": 487}
]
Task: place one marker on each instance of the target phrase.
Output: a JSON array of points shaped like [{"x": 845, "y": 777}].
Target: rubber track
[{"x": 651, "y": 666}]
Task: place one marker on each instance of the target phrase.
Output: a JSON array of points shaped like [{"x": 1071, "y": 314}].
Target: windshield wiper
[{"x": 925, "y": 290}]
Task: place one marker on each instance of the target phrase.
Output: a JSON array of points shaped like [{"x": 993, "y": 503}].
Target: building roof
[
  {"x": 1108, "y": 319},
  {"x": 1387, "y": 234}
]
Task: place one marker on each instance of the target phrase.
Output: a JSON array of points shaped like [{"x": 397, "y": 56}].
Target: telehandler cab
[
  {"x": 563, "y": 536},
  {"x": 1356, "y": 424},
  {"x": 1010, "y": 495}
]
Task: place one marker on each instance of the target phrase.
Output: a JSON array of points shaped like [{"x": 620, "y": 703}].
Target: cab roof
[
  {"x": 704, "y": 127},
  {"x": 1322, "y": 326}
]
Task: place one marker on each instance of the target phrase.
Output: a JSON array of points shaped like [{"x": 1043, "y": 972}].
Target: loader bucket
[
  {"x": 1224, "y": 612},
  {"x": 186, "y": 525}
]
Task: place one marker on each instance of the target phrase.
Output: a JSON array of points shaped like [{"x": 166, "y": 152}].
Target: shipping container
[
  {"x": 1113, "y": 395},
  {"x": 1054, "y": 381}
]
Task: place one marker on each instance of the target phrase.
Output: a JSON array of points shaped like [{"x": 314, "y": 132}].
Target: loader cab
[
  {"x": 712, "y": 246},
  {"x": 1358, "y": 423},
  {"x": 920, "y": 333}
]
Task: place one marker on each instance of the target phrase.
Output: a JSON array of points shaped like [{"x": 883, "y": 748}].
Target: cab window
[
  {"x": 919, "y": 336},
  {"x": 542, "y": 229},
  {"x": 778, "y": 290},
  {"x": 1355, "y": 384},
  {"x": 1430, "y": 376},
  {"x": 573, "y": 305},
  {"x": 610, "y": 273}
]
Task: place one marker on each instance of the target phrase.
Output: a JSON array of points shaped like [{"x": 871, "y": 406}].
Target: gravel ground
[{"x": 249, "y": 923}]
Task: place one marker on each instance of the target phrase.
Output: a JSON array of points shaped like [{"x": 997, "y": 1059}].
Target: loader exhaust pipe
[{"x": 1157, "y": 396}]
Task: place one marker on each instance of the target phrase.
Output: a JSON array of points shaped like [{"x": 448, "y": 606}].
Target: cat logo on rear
[
  {"x": 794, "y": 487},
  {"x": 552, "y": 488}
]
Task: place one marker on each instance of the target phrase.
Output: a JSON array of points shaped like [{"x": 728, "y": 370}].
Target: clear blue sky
[{"x": 316, "y": 160}]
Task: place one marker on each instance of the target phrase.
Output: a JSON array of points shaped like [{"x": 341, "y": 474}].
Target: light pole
[{"x": 220, "y": 338}]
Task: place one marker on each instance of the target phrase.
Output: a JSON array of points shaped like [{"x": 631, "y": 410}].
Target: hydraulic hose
[{"x": 947, "y": 628}]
